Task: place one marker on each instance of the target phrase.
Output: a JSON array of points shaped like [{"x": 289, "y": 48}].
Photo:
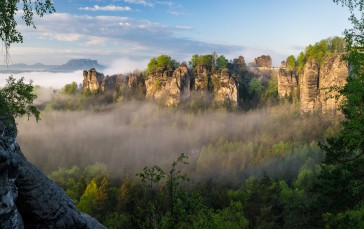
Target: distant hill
[
  {"x": 78, "y": 64},
  {"x": 70, "y": 66}
]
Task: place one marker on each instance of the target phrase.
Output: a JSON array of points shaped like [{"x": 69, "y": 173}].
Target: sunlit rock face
[
  {"x": 170, "y": 87},
  {"x": 332, "y": 73},
  {"x": 28, "y": 198},
  {"x": 226, "y": 89},
  {"x": 202, "y": 78},
  {"x": 318, "y": 83},
  {"x": 92, "y": 80},
  {"x": 287, "y": 82},
  {"x": 309, "y": 87}
]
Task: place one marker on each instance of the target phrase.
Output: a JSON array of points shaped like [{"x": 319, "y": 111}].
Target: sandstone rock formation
[
  {"x": 226, "y": 90},
  {"x": 287, "y": 81},
  {"x": 28, "y": 198},
  {"x": 315, "y": 84},
  {"x": 92, "y": 80},
  {"x": 309, "y": 87},
  {"x": 333, "y": 73},
  {"x": 238, "y": 64},
  {"x": 202, "y": 78},
  {"x": 263, "y": 61},
  {"x": 177, "y": 88},
  {"x": 170, "y": 89},
  {"x": 124, "y": 85}
]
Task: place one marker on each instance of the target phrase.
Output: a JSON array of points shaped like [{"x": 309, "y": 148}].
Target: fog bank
[{"x": 128, "y": 137}]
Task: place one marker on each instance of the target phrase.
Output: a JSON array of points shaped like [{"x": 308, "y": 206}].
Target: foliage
[
  {"x": 17, "y": 99},
  {"x": 70, "y": 89},
  {"x": 341, "y": 182},
  {"x": 162, "y": 62},
  {"x": 221, "y": 62},
  {"x": 8, "y": 24},
  {"x": 291, "y": 64},
  {"x": 255, "y": 87}
]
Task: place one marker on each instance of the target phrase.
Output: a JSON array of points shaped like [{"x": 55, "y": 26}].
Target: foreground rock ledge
[{"x": 28, "y": 199}]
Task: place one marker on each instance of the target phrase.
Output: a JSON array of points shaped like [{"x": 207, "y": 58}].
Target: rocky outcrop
[
  {"x": 316, "y": 84},
  {"x": 287, "y": 81},
  {"x": 28, "y": 198},
  {"x": 92, "y": 80},
  {"x": 226, "y": 90},
  {"x": 333, "y": 73},
  {"x": 238, "y": 65},
  {"x": 309, "y": 87},
  {"x": 263, "y": 61},
  {"x": 202, "y": 78},
  {"x": 172, "y": 89},
  {"x": 124, "y": 85},
  {"x": 178, "y": 87}
]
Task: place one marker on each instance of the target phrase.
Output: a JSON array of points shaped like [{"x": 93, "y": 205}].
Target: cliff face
[
  {"x": 28, "y": 198},
  {"x": 177, "y": 89},
  {"x": 226, "y": 89},
  {"x": 333, "y": 73},
  {"x": 124, "y": 85},
  {"x": 309, "y": 87},
  {"x": 92, "y": 80},
  {"x": 170, "y": 90},
  {"x": 287, "y": 82},
  {"x": 314, "y": 84}
]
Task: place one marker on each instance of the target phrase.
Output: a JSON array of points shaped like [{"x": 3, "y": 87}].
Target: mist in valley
[{"x": 127, "y": 137}]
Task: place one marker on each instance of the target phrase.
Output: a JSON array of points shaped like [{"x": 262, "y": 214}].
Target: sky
[{"x": 130, "y": 32}]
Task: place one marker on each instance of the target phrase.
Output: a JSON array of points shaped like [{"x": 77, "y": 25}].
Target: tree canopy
[
  {"x": 162, "y": 62},
  {"x": 341, "y": 183},
  {"x": 9, "y": 33},
  {"x": 17, "y": 97}
]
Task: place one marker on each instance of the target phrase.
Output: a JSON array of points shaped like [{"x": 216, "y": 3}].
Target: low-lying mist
[
  {"x": 54, "y": 80},
  {"x": 127, "y": 137}
]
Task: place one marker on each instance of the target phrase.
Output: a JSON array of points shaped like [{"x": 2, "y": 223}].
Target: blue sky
[{"x": 133, "y": 31}]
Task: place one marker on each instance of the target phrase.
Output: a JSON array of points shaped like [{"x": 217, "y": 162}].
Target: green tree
[
  {"x": 291, "y": 64},
  {"x": 300, "y": 62},
  {"x": 194, "y": 61},
  {"x": 221, "y": 62},
  {"x": 341, "y": 182},
  {"x": 162, "y": 62},
  {"x": 70, "y": 89},
  {"x": 255, "y": 87},
  {"x": 17, "y": 97},
  {"x": 9, "y": 33}
]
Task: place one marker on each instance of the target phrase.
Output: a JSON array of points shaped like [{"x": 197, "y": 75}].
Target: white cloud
[
  {"x": 67, "y": 37},
  {"x": 110, "y": 37},
  {"x": 125, "y": 65},
  {"x": 140, "y": 2},
  {"x": 106, "y": 8}
]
